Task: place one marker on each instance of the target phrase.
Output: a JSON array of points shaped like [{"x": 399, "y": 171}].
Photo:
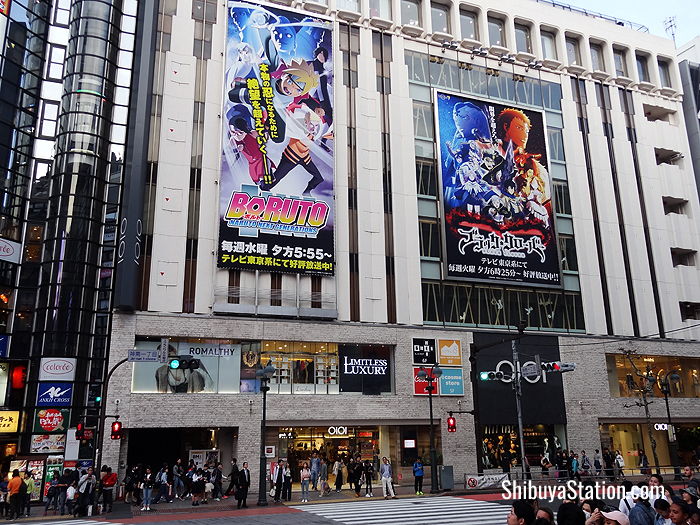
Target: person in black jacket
[
  {"x": 233, "y": 479},
  {"x": 243, "y": 485},
  {"x": 368, "y": 473},
  {"x": 217, "y": 476}
]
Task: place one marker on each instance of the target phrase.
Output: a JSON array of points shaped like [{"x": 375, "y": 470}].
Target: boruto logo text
[
  {"x": 499, "y": 220},
  {"x": 277, "y": 166}
]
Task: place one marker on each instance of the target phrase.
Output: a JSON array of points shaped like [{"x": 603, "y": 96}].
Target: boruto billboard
[
  {"x": 497, "y": 196},
  {"x": 276, "y": 200}
]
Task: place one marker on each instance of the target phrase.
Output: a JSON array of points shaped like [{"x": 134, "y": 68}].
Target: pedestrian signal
[
  {"x": 451, "y": 424},
  {"x": 116, "y": 430}
]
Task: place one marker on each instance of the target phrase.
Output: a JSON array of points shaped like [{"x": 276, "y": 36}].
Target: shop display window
[
  {"x": 302, "y": 367},
  {"x": 624, "y": 382}
]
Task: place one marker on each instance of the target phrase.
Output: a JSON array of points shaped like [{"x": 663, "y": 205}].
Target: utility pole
[{"x": 518, "y": 394}]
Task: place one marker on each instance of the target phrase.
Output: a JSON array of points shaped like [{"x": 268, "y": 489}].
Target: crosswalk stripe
[
  {"x": 80, "y": 522},
  {"x": 412, "y": 511}
]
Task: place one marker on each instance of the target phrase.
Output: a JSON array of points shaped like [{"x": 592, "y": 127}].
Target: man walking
[
  {"x": 243, "y": 483},
  {"x": 386, "y": 474},
  {"x": 323, "y": 477},
  {"x": 13, "y": 489},
  {"x": 178, "y": 484},
  {"x": 315, "y": 470},
  {"x": 278, "y": 479},
  {"x": 233, "y": 478},
  {"x": 217, "y": 476}
]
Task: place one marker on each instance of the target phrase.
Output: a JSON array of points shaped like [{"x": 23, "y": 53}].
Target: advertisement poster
[
  {"x": 53, "y": 464},
  {"x": 420, "y": 385},
  {"x": 51, "y": 420},
  {"x": 424, "y": 352},
  {"x": 452, "y": 382},
  {"x": 48, "y": 443},
  {"x": 277, "y": 176},
  {"x": 496, "y": 193},
  {"x": 450, "y": 352},
  {"x": 9, "y": 421},
  {"x": 365, "y": 368},
  {"x": 54, "y": 394},
  {"x": 36, "y": 470}
]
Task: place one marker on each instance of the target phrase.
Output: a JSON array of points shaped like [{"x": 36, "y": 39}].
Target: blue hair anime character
[{"x": 471, "y": 121}]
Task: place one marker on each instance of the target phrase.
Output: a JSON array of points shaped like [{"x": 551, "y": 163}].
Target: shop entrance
[{"x": 155, "y": 446}]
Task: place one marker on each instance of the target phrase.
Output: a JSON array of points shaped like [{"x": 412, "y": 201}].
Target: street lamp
[
  {"x": 433, "y": 375},
  {"x": 665, "y": 386},
  {"x": 264, "y": 374}
]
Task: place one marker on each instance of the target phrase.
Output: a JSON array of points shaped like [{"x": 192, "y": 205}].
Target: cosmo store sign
[{"x": 365, "y": 366}]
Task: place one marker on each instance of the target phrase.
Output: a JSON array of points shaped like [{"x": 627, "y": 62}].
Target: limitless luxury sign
[{"x": 365, "y": 366}]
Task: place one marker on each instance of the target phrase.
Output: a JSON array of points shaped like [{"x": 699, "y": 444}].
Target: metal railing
[{"x": 594, "y": 14}]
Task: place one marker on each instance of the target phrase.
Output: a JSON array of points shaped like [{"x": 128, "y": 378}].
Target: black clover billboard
[
  {"x": 496, "y": 192},
  {"x": 276, "y": 194}
]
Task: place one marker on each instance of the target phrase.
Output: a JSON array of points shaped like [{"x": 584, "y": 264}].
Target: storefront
[
  {"x": 684, "y": 377},
  {"x": 500, "y": 446}
]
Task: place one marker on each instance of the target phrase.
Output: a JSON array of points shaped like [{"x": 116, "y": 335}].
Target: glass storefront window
[
  {"x": 624, "y": 382},
  {"x": 302, "y": 367}
]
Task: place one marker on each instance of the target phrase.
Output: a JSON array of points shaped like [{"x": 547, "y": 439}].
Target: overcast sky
[{"x": 651, "y": 13}]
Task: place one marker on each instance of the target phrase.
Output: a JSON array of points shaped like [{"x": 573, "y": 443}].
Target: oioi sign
[{"x": 508, "y": 370}]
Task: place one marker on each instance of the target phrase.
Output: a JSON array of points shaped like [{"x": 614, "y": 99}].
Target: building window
[
  {"x": 573, "y": 52},
  {"x": 348, "y": 5},
  {"x": 620, "y": 62},
  {"x": 497, "y": 32},
  {"x": 275, "y": 289},
  {"x": 440, "y": 15},
  {"x": 410, "y": 13},
  {"x": 567, "y": 251},
  {"x": 522, "y": 39},
  {"x": 624, "y": 382},
  {"x": 380, "y": 9},
  {"x": 642, "y": 68},
  {"x": 672, "y": 205},
  {"x": 690, "y": 312},
  {"x": 664, "y": 74},
  {"x": 302, "y": 367},
  {"x": 426, "y": 177},
  {"x": 549, "y": 45},
  {"x": 429, "y": 239},
  {"x": 469, "y": 23},
  {"x": 597, "y": 59},
  {"x": 562, "y": 202},
  {"x": 682, "y": 257}
]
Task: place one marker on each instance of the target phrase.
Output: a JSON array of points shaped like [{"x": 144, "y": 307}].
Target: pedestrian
[
  {"x": 619, "y": 465},
  {"x": 131, "y": 485},
  {"x": 315, "y": 470},
  {"x": 28, "y": 487},
  {"x": 608, "y": 464},
  {"x": 52, "y": 494},
  {"x": 585, "y": 464},
  {"x": 217, "y": 477},
  {"x": 197, "y": 486},
  {"x": 368, "y": 476},
  {"x": 358, "y": 474},
  {"x": 418, "y": 476},
  {"x": 680, "y": 513},
  {"x": 642, "y": 513},
  {"x": 287, "y": 483},
  {"x": 521, "y": 513},
  {"x": 663, "y": 512},
  {"x": 545, "y": 513},
  {"x": 178, "y": 484},
  {"x": 4, "y": 496},
  {"x": 689, "y": 495},
  {"x": 597, "y": 462},
  {"x": 109, "y": 480},
  {"x": 386, "y": 474},
  {"x": 243, "y": 485},
  {"x": 233, "y": 479},
  {"x": 147, "y": 483},
  {"x": 575, "y": 467},
  {"x": 615, "y": 517},
  {"x": 546, "y": 465},
  {"x": 278, "y": 480},
  {"x": 323, "y": 478},
  {"x": 64, "y": 481},
  {"x": 338, "y": 471},
  {"x": 305, "y": 478},
  {"x": 86, "y": 493},
  {"x": 72, "y": 495},
  {"x": 162, "y": 486},
  {"x": 570, "y": 514},
  {"x": 643, "y": 463},
  {"x": 14, "y": 487}
]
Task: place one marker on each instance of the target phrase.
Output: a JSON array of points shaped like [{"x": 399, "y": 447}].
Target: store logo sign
[
  {"x": 377, "y": 367},
  {"x": 338, "y": 431},
  {"x": 660, "y": 426},
  {"x": 57, "y": 369},
  {"x": 54, "y": 394},
  {"x": 508, "y": 370},
  {"x": 9, "y": 250}
]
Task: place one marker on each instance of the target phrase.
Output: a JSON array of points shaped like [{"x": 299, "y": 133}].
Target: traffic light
[
  {"x": 558, "y": 366},
  {"x": 80, "y": 431},
  {"x": 451, "y": 424},
  {"x": 116, "y": 430},
  {"x": 184, "y": 363},
  {"x": 492, "y": 376}
]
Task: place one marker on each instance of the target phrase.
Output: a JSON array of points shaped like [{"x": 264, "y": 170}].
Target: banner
[
  {"x": 276, "y": 191},
  {"x": 490, "y": 481},
  {"x": 51, "y": 420},
  {"x": 496, "y": 193},
  {"x": 364, "y": 368}
]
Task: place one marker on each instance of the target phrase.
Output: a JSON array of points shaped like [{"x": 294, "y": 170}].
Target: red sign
[
  {"x": 419, "y": 385},
  {"x": 365, "y": 434},
  {"x": 51, "y": 420}
]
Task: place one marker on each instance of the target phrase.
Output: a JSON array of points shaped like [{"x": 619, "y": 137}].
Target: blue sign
[
  {"x": 54, "y": 394},
  {"x": 451, "y": 382},
  {"x": 4, "y": 345}
]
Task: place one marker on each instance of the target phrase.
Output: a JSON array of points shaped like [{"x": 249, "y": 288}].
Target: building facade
[{"x": 454, "y": 169}]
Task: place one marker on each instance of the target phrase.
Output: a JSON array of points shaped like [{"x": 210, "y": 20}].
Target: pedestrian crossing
[
  {"x": 80, "y": 522},
  {"x": 412, "y": 511}
]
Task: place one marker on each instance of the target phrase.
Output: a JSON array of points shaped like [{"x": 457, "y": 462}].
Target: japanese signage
[
  {"x": 420, "y": 384},
  {"x": 451, "y": 382},
  {"x": 364, "y": 368},
  {"x": 496, "y": 193},
  {"x": 54, "y": 394},
  {"x": 9, "y": 420},
  {"x": 424, "y": 351},
  {"x": 276, "y": 191},
  {"x": 57, "y": 369},
  {"x": 51, "y": 420},
  {"x": 47, "y": 443},
  {"x": 449, "y": 352}
]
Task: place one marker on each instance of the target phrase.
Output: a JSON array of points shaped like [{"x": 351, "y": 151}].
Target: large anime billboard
[
  {"x": 496, "y": 193},
  {"x": 276, "y": 195}
]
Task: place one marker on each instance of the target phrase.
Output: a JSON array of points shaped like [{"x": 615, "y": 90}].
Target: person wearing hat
[
  {"x": 615, "y": 517},
  {"x": 690, "y": 496}
]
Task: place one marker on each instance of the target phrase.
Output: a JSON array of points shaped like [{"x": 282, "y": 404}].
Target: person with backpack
[
  {"x": 585, "y": 464},
  {"x": 161, "y": 483},
  {"x": 619, "y": 465},
  {"x": 418, "y": 476},
  {"x": 14, "y": 489}
]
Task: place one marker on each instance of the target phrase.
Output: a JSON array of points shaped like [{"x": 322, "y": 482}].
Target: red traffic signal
[
  {"x": 451, "y": 424},
  {"x": 80, "y": 431},
  {"x": 116, "y": 430}
]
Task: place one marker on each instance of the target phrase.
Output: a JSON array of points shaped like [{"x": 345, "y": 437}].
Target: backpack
[{"x": 586, "y": 465}]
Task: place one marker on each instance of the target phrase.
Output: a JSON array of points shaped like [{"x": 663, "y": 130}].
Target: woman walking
[
  {"x": 338, "y": 471},
  {"x": 197, "y": 486},
  {"x": 305, "y": 476},
  {"x": 287, "y": 483}
]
